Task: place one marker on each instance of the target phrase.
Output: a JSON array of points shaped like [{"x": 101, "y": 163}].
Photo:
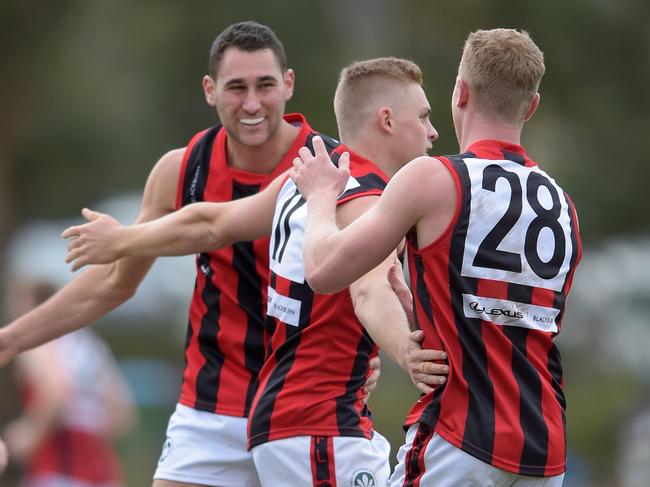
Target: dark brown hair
[{"x": 248, "y": 36}]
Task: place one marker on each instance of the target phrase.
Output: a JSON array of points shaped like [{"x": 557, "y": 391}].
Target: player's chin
[{"x": 254, "y": 138}]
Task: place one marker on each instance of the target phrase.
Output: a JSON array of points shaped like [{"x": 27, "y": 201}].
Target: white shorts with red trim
[
  {"x": 319, "y": 461},
  {"x": 428, "y": 459},
  {"x": 207, "y": 449}
]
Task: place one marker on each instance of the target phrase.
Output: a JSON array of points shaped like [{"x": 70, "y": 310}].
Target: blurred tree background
[{"x": 92, "y": 93}]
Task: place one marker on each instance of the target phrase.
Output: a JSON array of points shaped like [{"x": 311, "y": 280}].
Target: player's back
[{"x": 493, "y": 290}]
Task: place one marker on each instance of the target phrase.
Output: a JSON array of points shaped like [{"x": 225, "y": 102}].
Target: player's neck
[
  {"x": 262, "y": 159},
  {"x": 479, "y": 127},
  {"x": 369, "y": 146}
]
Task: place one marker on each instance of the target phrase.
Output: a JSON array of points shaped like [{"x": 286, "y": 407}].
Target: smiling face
[{"x": 250, "y": 92}]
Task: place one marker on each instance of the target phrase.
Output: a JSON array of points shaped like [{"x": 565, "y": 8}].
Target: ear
[
  {"x": 209, "y": 90},
  {"x": 462, "y": 90},
  {"x": 532, "y": 107},
  {"x": 385, "y": 120},
  {"x": 289, "y": 80}
]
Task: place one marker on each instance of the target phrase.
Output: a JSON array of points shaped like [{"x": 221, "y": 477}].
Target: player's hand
[
  {"x": 4, "y": 456},
  {"x": 316, "y": 174},
  {"x": 374, "y": 371},
  {"x": 397, "y": 282},
  {"x": 95, "y": 242},
  {"x": 423, "y": 366}
]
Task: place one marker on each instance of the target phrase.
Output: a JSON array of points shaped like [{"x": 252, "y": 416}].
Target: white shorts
[
  {"x": 435, "y": 461},
  {"x": 208, "y": 449},
  {"x": 322, "y": 461}
]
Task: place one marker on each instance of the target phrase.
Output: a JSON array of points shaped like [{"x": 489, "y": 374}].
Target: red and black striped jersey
[
  {"x": 226, "y": 342},
  {"x": 491, "y": 291},
  {"x": 312, "y": 382}
]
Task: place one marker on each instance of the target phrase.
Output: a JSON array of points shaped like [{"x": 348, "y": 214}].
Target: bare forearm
[
  {"x": 381, "y": 314},
  {"x": 194, "y": 228}
]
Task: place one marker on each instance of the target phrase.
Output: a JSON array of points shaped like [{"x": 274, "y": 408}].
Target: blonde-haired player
[{"x": 493, "y": 243}]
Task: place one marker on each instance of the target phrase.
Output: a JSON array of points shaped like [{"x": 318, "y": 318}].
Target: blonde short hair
[
  {"x": 364, "y": 82},
  {"x": 503, "y": 68}
]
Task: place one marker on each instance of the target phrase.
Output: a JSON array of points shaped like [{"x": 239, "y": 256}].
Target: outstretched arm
[
  {"x": 198, "y": 227},
  {"x": 98, "y": 290}
]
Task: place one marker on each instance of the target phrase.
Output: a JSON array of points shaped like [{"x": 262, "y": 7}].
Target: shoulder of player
[
  {"x": 426, "y": 170},
  {"x": 171, "y": 160},
  {"x": 160, "y": 191},
  {"x": 427, "y": 179},
  {"x": 168, "y": 166}
]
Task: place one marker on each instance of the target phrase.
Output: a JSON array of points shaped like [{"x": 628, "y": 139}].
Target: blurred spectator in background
[{"x": 75, "y": 400}]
